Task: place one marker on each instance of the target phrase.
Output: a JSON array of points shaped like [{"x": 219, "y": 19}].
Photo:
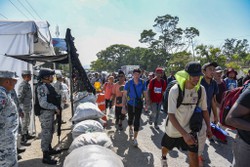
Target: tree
[
  {"x": 112, "y": 58},
  {"x": 168, "y": 38},
  {"x": 179, "y": 60}
]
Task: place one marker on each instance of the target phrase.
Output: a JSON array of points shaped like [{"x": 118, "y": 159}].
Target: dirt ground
[{"x": 147, "y": 154}]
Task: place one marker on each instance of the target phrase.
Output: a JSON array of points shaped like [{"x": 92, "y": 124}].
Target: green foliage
[{"x": 178, "y": 61}]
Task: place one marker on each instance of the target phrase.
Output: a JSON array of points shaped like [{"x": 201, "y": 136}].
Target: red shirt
[{"x": 156, "y": 89}]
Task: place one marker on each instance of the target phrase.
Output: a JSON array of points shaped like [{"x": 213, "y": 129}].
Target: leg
[{"x": 193, "y": 159}]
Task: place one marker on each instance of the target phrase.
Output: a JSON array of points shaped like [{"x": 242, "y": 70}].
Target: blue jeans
[{"x": 155, "y": 107}]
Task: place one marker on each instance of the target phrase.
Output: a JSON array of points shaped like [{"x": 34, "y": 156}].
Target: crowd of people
[{"x": 202, "y": 86}]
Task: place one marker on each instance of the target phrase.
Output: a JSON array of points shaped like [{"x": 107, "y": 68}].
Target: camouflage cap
[
  {"x": 8, "y": 74},
  {"x": 26, "y": 72}
]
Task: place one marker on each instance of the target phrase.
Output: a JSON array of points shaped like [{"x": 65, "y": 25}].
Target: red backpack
[{"x": 229, "y": 98}]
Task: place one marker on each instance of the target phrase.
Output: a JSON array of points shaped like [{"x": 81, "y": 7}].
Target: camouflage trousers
[
  {"x": 8, "y": 150},
  {"x": 46, "y": 118},
  {"x": 25, "y": 121}
]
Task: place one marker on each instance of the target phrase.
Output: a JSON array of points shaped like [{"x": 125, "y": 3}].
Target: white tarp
[{"x": 23, "y": 38}]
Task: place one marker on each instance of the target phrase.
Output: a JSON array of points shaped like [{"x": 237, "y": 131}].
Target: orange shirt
[
  {"x": 108, "y": 90},
  {"x": 118, "y": 93}
]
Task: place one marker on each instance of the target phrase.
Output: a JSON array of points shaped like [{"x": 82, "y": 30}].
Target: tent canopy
[{"x": 19, "y": 38}]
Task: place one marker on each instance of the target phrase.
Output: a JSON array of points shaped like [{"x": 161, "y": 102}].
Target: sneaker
[
  {"x": 164, "y": 163},
  {"x": 135, "y": 143},
  {"x": 120, "y": 127},
  {"x": 200, "y": 159},
  {"x": 131, "y": 133},
  {"x": 157, "y": 127}
]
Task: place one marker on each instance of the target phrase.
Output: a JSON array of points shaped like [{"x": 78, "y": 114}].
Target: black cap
[
  {"x": 209, "y": 64},
  {"x": 45, "y": 72},
  {"x": 193, "y": 68}
]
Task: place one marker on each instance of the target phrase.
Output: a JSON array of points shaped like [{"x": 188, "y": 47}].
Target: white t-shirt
[{"x": 184, "y": 112}]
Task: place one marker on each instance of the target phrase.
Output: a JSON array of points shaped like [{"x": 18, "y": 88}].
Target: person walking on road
[
  {"x": 25, "y": 102},
  {"x": 156, "y": 89},
  {"x": 117, "y": 93},
  {"x": 8, "y": 120},
  {"x": 239, "y": 117},
  {"x": 178, "y": 131},
  {"x": 132, "y": 101},
  {"x": 47, "y": 99},
  {"x": 212, "y": 90}
]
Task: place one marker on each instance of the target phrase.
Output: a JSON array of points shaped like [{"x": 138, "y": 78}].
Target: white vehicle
[{"x": 128, "y": 69}]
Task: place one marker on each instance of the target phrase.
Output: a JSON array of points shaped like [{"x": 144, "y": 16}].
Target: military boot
[
  {"x": 24, "y": 141},
  {"x": 53, "y": 151},
  {"x": 28, "y": 137},
  {"x": 47, "y": 159}
]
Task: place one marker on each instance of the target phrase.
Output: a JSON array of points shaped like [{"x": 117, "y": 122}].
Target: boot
[
  {"x": 53, "y": 151},
  {"x": 19, "y": 157},
  {"x": 28, "y": 137},
  {"x": 20, "y": 150},
  {"x": 47, "y": 159},
  {"x": 24, "y": 141}
]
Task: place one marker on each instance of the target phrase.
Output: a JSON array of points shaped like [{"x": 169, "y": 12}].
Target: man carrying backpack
[
  {"x": 156, "y": 89},
  {"x": 178, "y": 125},
  {"x": 239, "y": 117}
]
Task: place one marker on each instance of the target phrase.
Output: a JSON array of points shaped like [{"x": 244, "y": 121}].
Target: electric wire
[
  {"x": 26, "y": 9},
  {"x": 18, "y": 9},
  {"x": 33, "y": 9},
  {"x": 3, "y": 16}
]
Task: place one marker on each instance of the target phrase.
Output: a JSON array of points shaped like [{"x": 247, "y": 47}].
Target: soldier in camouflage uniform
[
  {"x": 47, "y": 113},
  {"x": 25, "y": 101},
  {"x": 8, "y": 121}
]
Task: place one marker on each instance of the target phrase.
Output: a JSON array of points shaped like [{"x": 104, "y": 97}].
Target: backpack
[
  {"x": 228, "y": 100},
  {"x": 53, "y": 98},
  {"x": 179, "y": 98}
]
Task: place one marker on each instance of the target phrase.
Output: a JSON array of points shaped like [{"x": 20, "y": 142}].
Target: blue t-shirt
[
  {"x": 140, "y": 88},
  {"x": 211, "y": 90},
  {"x": 231, "y": 83}
]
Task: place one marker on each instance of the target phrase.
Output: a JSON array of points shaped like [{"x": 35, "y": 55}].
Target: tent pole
[{"x": 71, "y": 79}]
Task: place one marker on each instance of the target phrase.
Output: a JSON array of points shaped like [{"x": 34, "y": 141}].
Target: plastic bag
[{"x": 92, "y": 156}]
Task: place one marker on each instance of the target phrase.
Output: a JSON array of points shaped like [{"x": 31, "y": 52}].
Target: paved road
[{"x": 146, "y": 155}]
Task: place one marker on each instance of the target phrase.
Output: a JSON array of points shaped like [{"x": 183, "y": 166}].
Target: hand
[
  {"x": 189, "y": 139},
  {"x": 209, "y": 133},
  {"x": 124, "y": 111},
  {"x": 21, "y": 114},
  {"x": 57, "y": 111},
  {"x": 216, "y": 119}
]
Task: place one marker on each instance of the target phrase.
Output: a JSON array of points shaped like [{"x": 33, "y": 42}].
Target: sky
[{"x": 98, "y": 24}]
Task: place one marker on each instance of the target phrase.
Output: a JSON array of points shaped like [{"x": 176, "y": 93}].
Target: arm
[
  {"x": 207, "y": 121},
  {"x": 235, "y": 115},
  {"x": 189, "y": 139},
  {"x": 124, "y": 102},
  {"x": 214, "y": 109}
]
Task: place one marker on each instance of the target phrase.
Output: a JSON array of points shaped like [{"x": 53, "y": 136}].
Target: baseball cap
[
  {"x": 193, "y": 68},
  {"x": 218, "y": 69},
  {"x": 26, "y": 72},
  {"x": 209, "y": 64},
  {"x": 231, "y": 70},
  {"x": 8, "y": 74},
  {"x": 158, "y": 69}
]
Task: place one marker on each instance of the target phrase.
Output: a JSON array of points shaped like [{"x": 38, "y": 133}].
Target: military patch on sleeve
[
  {"x": 41, "y": 92},
  {"x": 2, "y": 102}
]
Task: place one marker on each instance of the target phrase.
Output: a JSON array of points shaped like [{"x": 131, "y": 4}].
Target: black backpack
[
  {"x": 179, "y": 98},
  {"x": 53, "y": 98}
]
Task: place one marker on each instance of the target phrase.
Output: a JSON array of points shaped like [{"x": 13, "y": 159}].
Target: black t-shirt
[{"x": 244, "y": 100}]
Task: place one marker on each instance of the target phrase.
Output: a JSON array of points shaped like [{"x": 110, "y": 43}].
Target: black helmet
[{"x": 45, "y": 72}]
